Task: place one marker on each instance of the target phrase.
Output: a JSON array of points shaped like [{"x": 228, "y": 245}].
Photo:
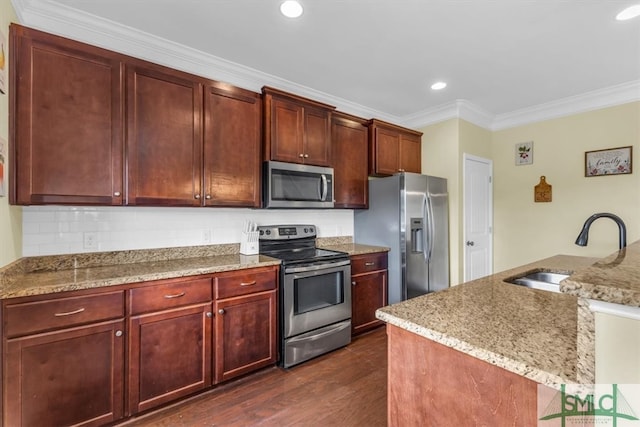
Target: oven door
[{"x": 315, "y": 296}]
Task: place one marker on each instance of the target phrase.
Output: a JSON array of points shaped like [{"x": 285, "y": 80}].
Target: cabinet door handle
[
  {"x": 353, "y": 283},
  {"x": 181, "y": 294},
  {"x": 209, "y": 314},
  {"x": 69, "y": 313},
  {"x": 369, "y": 264},
  {"x": 197, "y": 197},
  {"x": 306, "y": 156},
  {"x": 117, "y": 194},
  {"x": 221, "y": 311},
  {"x": 301, "y": 155},
  {"x": 208, "y": 197},
  {"x": 400, "y": 170},
  {"x": 119, "y": 333},
  {"x": 253, "y": 282}
]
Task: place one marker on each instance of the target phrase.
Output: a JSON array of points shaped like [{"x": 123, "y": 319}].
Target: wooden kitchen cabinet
[
  {"x": 164, "y": 141},
  {"x": 393, "y": 149},
  {"x": 246, "y": 322},
  {"x": 66, "y": 372},
  {"x": 232, "y": 146},
  {"x": 66, "y": 132},
  {"x": 297, "y": 129},
  {"x": 169, "y": 341},
  {"x": 349, "y": 139},
  {"x": 368, "y": 290}
]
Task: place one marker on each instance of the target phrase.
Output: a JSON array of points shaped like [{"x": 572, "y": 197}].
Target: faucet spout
[{"x": 583, "y": 237}]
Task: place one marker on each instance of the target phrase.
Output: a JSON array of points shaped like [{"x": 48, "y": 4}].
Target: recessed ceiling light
[
  {"x": 628, "y": 13},
  {"x": 291, "y": 9},
  {"x": 438, "y": 85}
]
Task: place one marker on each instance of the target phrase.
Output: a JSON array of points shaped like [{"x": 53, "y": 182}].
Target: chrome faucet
[{"x": 583, "y": 237}]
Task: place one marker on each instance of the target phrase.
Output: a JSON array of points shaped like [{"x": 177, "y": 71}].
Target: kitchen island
[{"x": 476, "y": 352}]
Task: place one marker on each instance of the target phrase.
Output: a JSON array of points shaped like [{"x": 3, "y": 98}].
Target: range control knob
[
  {"x": 261, "y": 232},
  {"x": 268, "y": 232},
  {"x": 306, "y": 230}
]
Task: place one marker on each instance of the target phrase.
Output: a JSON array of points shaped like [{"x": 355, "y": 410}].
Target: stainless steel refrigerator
[{"x": 409, "y": 213}]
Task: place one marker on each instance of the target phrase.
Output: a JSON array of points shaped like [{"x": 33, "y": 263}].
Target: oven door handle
[{"x": 316, "y": 267}]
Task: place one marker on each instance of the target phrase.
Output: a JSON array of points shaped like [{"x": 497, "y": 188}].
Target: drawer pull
[
  {"x": 69, "y": 313},
  {"x": 369, "y": 264},
  {"x": 181, "y": 294},
  {"x": 253, "y": 282}
]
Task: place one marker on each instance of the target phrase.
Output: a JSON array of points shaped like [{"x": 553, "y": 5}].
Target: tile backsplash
[{"x": 57, "y": 230}]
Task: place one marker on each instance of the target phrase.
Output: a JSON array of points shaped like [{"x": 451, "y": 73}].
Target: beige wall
[
  {"x": 443, "y": 146},
  {"x": 10, "y": 216},
  {"x": 526, "y": 231}
]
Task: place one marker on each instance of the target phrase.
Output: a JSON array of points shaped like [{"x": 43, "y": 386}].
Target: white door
[{"x": 478, "y": 217}]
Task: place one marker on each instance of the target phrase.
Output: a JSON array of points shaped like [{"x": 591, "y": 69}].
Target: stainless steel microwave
[{"x": 292, "y": 185}]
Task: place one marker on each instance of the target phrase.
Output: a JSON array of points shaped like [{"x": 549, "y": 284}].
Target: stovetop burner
[{"x": 294, "y": 244}]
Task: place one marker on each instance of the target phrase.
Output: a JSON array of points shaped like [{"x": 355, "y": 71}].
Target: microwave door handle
[{"x": 324, "y": 190}]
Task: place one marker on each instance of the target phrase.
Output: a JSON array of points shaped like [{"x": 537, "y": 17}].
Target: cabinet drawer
[
  {"x": 368, "y": 262},
  {"x": 243, "y": 282},
  {"x": 31, "y": 317},
  {"x": 166, "y": 294}
]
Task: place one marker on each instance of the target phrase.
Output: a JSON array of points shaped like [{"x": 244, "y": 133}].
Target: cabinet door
[
  {"x": 164, "y": 145},
  {"x": 410, "y": 153},
  {"x": 245, "y": 334},
  {"x": 68, "y": 377},
  {"x": 287, "y": 130},
  {"x": 317, "y": 137},
  {"x": 368, "y": 293},
  {"x": 386, "y": 146},
  {"x": 169, "y": 355},
  {"x": 232, "y": 144},
  {"x": 67, "y": 115},
  {"x": 349, "y": 139}
]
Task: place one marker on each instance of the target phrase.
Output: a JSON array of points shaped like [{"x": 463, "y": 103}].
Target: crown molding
[
  {"x": 55, "y": 18},
  {"x": 594, "y": 100}
]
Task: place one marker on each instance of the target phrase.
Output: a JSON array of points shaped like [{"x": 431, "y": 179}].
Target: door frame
[{"x": 489, "y": 162}]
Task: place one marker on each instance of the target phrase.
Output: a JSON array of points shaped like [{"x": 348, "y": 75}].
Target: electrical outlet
[
  {"x": 90, "y": 240},
  {"x": 206, "y": 236}
]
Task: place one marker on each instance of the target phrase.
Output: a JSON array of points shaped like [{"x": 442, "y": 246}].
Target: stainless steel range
[{"x": 315, "y": 293}]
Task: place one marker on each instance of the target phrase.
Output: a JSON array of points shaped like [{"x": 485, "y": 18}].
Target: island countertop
[{"x": 530, "y": 332}]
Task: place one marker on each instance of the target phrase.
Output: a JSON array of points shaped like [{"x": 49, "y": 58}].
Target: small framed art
[
  {"x": 611, "y": 161},
  {"x": 524, "y": 153}
]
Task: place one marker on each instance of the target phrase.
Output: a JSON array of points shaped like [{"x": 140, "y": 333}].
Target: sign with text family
[{"x": 573, "y": 405}]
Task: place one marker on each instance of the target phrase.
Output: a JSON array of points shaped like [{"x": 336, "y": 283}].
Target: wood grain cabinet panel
[
  {"x": 72, "y": 376},
  {"x": 164, "y": 145},
  {"x": 245, "y": 334},
  {"x": 169, "y": 355},
  {"x": 67, "y": 119},
  {"x": 393, "y": 149},
  {"x": 349, "y": 139},
  {"x": 297, "y": 129},
  {"x": 232, "y": 146},
  {"x": 369, "y": 282}
]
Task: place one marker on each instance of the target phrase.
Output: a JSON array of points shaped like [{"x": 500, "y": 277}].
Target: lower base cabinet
[
  {"x": 69, "y": 377},
  {"x": 368, "y": 290},
  {"x": 64, "y": 359}
]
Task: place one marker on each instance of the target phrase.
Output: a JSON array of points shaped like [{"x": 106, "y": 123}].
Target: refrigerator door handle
[
  {"x": 425, "y": 232},
  {"x": 430, "y": 226}
]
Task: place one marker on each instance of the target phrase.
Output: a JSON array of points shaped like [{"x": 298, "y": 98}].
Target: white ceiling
[{"x": 379, "y": 57}]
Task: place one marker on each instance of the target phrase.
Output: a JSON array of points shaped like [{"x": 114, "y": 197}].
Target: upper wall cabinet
[
  {"x": 393, "y": 149},
  {"x": 85, "y": 121},
  {"x": 349, "y": 139},
  {"x": 66, "y": 129},
  {"x": 297, "y": 130},
  {"x": 164, "y": 141},
  {"x": 232, "y": 146}
]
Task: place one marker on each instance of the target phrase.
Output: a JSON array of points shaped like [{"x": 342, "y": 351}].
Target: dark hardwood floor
[{"x": 347, "y": 387}]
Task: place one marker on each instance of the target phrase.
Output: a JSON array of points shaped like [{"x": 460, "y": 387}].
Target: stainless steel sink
[{"x": 545, "y": 280}]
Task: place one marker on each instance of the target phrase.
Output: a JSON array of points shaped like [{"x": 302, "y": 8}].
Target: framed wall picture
[
  {"x": 610, "y": 161},
  {"x": 524, "y": 153}
]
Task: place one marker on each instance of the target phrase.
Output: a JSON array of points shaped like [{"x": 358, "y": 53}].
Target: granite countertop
[
  {"x": 530, "y": 332},
  {"x": 614, "y": 279},
  {"x": 59, "y": 273}
]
